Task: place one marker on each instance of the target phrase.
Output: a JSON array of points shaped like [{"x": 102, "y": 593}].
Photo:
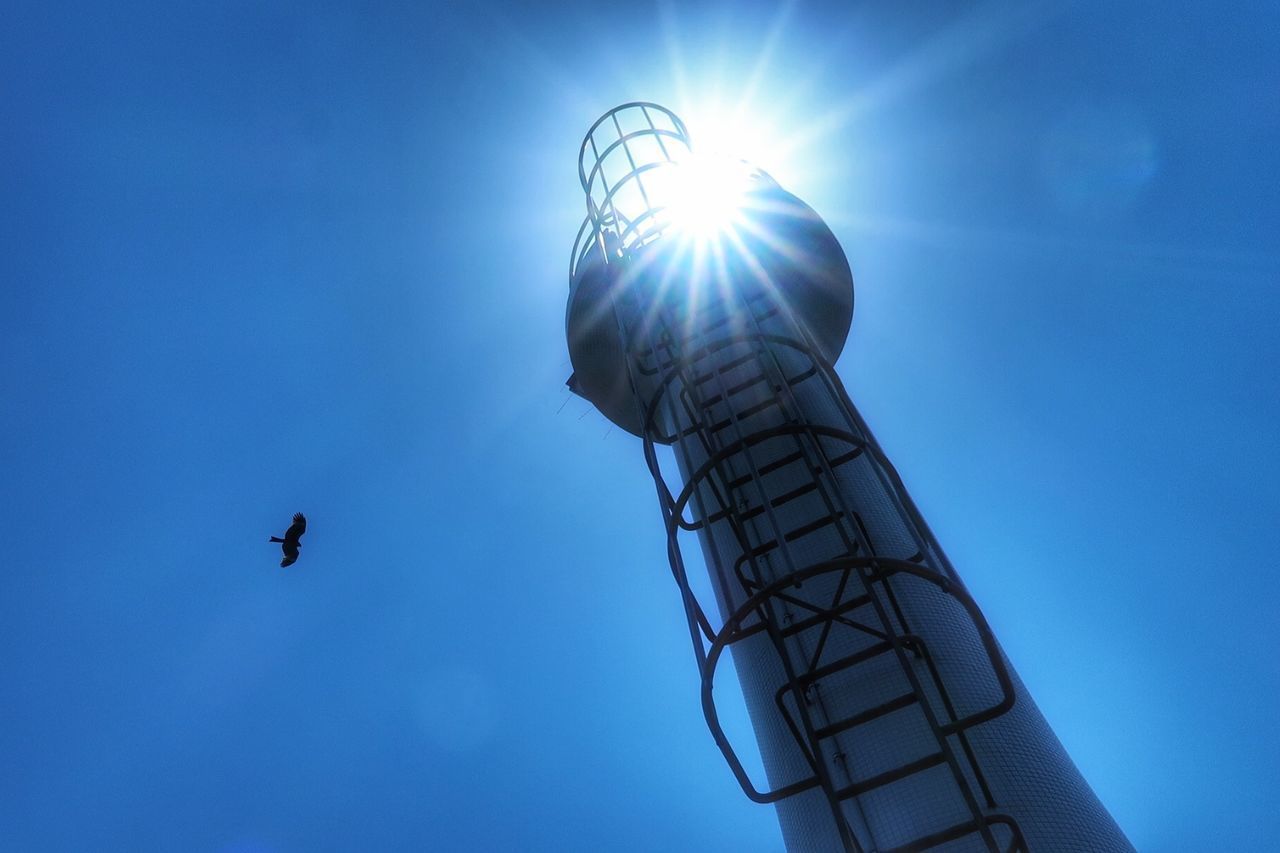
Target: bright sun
[{"x": 706, "y": 195}]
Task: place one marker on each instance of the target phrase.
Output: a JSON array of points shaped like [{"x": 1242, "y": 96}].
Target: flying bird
[{"x": 290, "y": 543}]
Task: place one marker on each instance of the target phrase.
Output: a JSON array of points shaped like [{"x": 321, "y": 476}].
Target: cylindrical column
[{"x": 886, "y": 714}]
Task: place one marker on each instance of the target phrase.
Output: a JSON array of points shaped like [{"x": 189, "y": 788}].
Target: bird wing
[
  {"x": 289, "y": 559},
  {"x": 296, "y": 529}
]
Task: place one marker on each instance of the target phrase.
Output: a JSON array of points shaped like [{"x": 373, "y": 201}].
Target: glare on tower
[{"x": 707, "y": 307}]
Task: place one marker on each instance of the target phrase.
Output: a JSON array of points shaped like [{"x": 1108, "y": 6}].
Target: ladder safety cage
[
  {"x": 864, "y": 601},
  {"x": 641, "y": 219}
]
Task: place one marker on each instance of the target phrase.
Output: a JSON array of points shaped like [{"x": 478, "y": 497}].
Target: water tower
[{"x": 707, "y": 306}]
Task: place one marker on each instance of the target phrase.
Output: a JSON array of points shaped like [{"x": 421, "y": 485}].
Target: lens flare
[{"x": 707, "y": 195}]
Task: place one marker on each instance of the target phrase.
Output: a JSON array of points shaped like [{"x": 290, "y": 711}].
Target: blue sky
[{"x": 269, "y": 257}]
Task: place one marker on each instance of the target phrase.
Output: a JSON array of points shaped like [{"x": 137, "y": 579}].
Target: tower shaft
[{"x": 887, "y": 716}]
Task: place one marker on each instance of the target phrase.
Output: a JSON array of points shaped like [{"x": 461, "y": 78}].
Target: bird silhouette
[{"x": 290, "y": 543}]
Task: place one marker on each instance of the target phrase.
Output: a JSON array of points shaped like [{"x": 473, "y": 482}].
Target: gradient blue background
[{"x": 268, "y": 257}]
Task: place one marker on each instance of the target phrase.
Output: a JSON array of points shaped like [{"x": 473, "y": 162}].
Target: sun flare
[{"x": 707, "y": 193}]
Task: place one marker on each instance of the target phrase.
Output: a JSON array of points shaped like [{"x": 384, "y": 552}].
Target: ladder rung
[
  {"x": 906, "y": 700},
  {"x": 960, "y": 830},
  {"x": 752, "y": 512},
  {"x": 854, "y": 659},
  {"x": 816, "y": 524},
  {"x": 794, "y": 456},
  {"x": 736, "y": 389},
  {"x": 792, "y": 381},
  {"x": 765, "y": 547},
  {"x": 723, "y": 368},
  {"x": 760, "y": 550},
  {"x": 746, "y": 413},
  {"x": 739, "y": 482},
  {"x": 933, "y": 759},
  {"x": 798, "y": 492}
]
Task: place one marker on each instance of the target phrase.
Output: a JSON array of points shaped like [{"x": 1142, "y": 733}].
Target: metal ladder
[{"x": 864, "y": 601}]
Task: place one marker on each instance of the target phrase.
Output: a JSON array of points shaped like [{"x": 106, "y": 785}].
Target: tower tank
[{"x": 885, "y": 712}]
